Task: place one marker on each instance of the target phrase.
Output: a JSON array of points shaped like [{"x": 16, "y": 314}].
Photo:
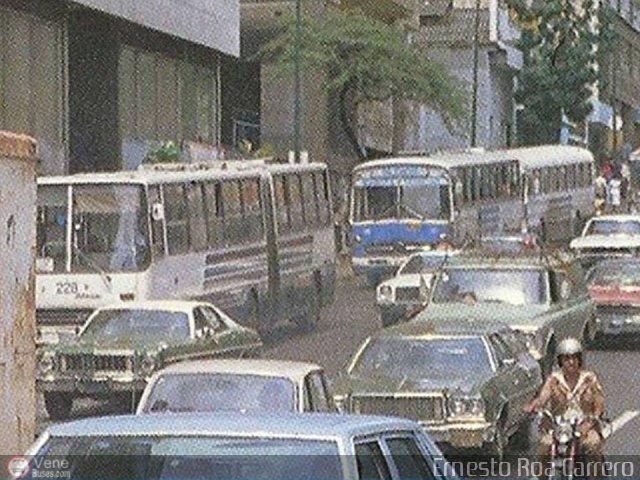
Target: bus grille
[
  {"x": 88, "y": 362},
  {"x": 419, "y": 408},
  {"x": 407, "y": 294},
  {"x": 56, "y": 317}
]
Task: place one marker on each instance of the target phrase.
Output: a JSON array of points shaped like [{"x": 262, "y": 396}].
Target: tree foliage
[
  {"x": 558, "y": 43},
  {"x": 365, "y": 60}
]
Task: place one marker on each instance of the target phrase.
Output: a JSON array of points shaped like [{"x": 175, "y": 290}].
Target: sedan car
[
  {"x": 614, "y": 286},
  {"x": 237, "y": 385},
  {"x": 466, "y": 382},
  {"x": 542, "y": 294},
  {"x": 236, "y": 446},
  {"x": 608, "y": 236},
  {"x": 408, "y": 291},
  {"x": 119, "y": 347}
]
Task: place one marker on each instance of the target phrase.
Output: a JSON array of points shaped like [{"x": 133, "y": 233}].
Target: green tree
[
  {"x": 365, "y": 60},
  {"x": 558, "y": 44}
]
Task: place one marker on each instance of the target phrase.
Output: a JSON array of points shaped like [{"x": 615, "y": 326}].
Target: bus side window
[
  {"x": 281, "y": 204},
  {"x": 309, "y": 199},
  {"x": 157, "y": 232},
  {"x": 322, "y": 192},
  {"x": 213, "y": 214},
  {"x": 295, "y": 203},
  {"x": 198, "y": 232},
  {"x": 233, "y": 231},
  {"x": 252, "y": 207},
  {"x": 177, "y": 218}
]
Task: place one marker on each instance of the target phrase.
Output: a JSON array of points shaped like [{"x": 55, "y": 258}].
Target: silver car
[
  {"x": 408, "y": 291},
  {"x": 238, "y": 385}
]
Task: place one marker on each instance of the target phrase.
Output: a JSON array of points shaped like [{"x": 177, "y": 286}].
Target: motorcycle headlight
[
  {"x": 460, "y": 406},
  {"x": 385, "y": 294},
  {"x": 47, "y": 363}
]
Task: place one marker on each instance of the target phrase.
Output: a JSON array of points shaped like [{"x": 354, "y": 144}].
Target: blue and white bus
[
  {"x": 255, "y": 238},
  {"x": 405, "y": 204}
]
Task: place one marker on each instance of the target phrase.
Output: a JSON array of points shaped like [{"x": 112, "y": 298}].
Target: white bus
[
  {"x": 559, "y": 194},
  {"x": 255, "y": 238}
]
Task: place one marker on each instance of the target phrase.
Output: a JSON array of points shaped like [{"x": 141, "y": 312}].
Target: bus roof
[
  {"x": 529, "y": 157},
  {"x": 163, "y": 173},
  {"x": 551, "y": 155},
  {"x": 443, "y": 160}
]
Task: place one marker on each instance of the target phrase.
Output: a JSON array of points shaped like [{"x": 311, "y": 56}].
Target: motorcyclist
[{"x": 570, "y": 391}]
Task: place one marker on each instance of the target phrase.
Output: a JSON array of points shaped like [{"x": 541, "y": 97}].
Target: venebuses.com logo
[{"x": 18, "y": 467}]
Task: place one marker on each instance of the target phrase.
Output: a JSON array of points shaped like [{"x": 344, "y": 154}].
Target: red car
[{"x": 614, "y": 286}]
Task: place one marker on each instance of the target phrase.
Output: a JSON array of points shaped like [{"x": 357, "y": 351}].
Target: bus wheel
[
  {"x": 58, "y": 405},
  {"x": 311, "y": 316}
]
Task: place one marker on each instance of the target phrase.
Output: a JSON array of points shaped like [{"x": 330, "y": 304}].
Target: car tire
[
  {"x": 58, "y": 405},
  {"x": 388, "y": 320}
]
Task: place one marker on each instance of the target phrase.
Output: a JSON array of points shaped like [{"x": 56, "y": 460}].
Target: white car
[
  {"x": 408, "y": 291},
  {"x": 237, "y": 385},
  {"x": 608, "y": 236}
]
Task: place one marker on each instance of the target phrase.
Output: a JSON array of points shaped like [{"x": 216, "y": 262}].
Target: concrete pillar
[{"x": 17, "y": 295}]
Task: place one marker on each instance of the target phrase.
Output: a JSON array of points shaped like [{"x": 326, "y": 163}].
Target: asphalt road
[{"x": 352, "y": 317}]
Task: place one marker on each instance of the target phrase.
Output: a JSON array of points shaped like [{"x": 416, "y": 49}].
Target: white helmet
[{"x": 569, "y": 346}]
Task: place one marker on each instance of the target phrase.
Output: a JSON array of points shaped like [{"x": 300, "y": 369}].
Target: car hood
[
  {"x": 606, "y": 241},
  {"x": 514, "y": 315},
  {"x": 615, "y": 295},
  {"x": 360, "y": 384}
]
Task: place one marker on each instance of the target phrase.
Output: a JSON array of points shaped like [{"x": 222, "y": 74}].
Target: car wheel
[
  {"x": 387, "y": 319},
  {"x": 58, "y": 405}
]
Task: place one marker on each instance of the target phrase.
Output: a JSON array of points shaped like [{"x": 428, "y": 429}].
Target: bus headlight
[{"x": 385, "y": 294}]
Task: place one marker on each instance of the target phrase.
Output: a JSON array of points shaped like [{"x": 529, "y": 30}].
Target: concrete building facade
[{"x": 100, "y": 82}]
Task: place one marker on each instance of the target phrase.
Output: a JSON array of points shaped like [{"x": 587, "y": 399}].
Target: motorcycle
[{"x": 566, "y": 461}]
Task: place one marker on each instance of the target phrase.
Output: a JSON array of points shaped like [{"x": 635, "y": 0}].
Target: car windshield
[
  {"x": 208, "y": 392},
  {"x": 611, "y": 227},
  {"x": 109, "y": 231},
  {"x": 422, "y": 264},
  {"x": 511, "y": 286},
  {"x": 435, "y": 359},
  {"x": 192, "y": 457},
  {"x": 142, "y": 324},
  {"x": 623, "y": 274}
]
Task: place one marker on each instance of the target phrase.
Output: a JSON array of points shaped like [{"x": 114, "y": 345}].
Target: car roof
[
  {"x": 507, "y": 259},
  {"x": 170, "y": 305},
  {"x": 277, "y": 368},
  {"x": 282, "y": 424},
  {"x": 612, "y": 263},
  {"x": 421, "y": 326}
]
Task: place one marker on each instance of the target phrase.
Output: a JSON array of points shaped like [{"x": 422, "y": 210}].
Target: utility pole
[
  {"x": 474, "y": 98},
  {"x": 297, "y": 87}
]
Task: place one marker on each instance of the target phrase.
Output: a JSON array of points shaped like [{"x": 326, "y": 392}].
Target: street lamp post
[
  {"x": 476, "y": 54},
  {"x": 297, "y": 87}
]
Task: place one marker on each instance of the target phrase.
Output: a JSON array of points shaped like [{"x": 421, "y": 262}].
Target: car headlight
[
  {"x": 535, "y": 341},
  {"x": 385, "y": 294},
  {"x": 340, "y": 402},
  {"x": 47, "y": 363},
  {"x": 462, "y": 406},
  {"x": 147, "y": 364}
]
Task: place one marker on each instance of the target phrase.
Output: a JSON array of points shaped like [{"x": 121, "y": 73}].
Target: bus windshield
[
  {"x": 109, "y": 231},
  {"x": 393, "y": 194}
]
